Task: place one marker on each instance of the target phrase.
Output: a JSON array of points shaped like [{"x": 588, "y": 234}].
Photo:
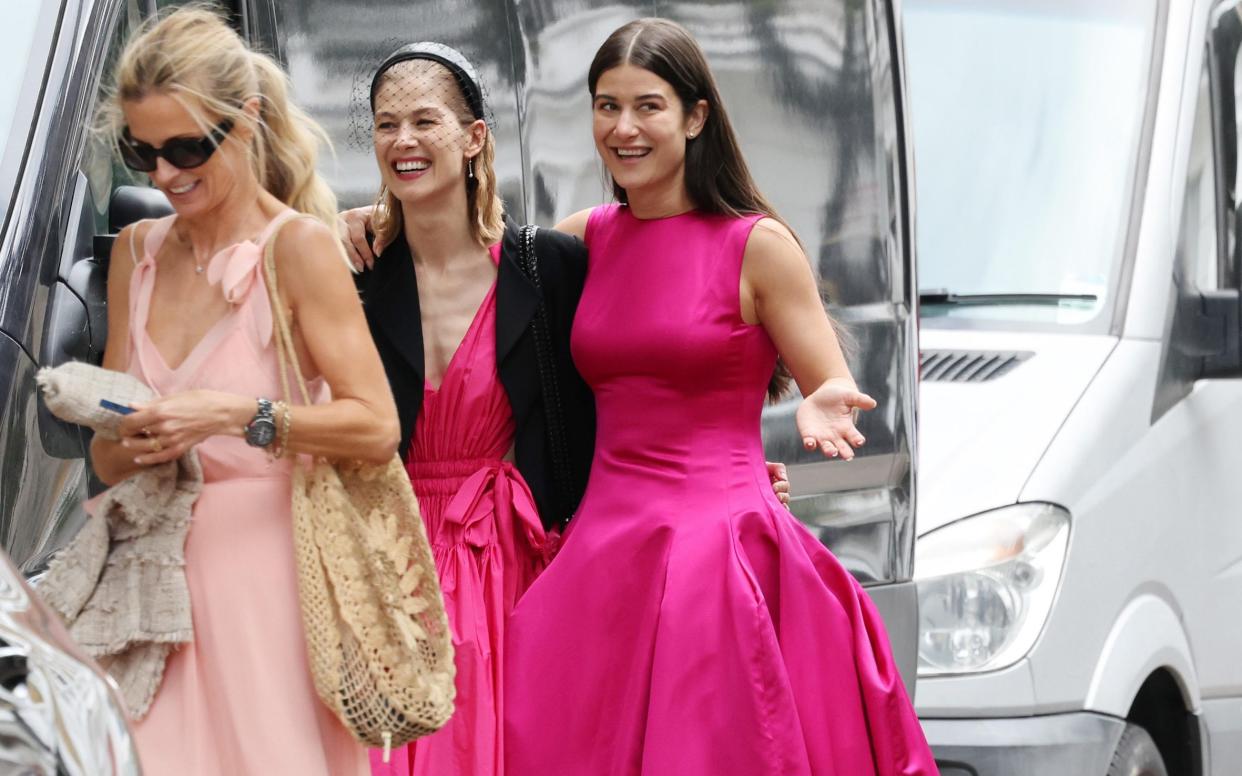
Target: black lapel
[
  {"x": 391, "y": 301},
  {"x": 517, "y": 299}
]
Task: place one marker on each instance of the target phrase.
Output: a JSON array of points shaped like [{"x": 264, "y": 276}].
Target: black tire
[{"x": 1136, "y": 755}]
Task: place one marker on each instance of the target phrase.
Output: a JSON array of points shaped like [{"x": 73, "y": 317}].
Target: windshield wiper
[{"x": 944, "y": 296}]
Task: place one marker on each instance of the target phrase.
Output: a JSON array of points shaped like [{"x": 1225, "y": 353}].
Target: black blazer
[{"x": 390, "y": 300}]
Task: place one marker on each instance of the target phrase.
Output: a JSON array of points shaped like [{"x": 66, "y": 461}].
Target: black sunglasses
[{"x": 184, "y": 153}]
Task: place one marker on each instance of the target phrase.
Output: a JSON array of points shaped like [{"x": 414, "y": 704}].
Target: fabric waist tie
[{"x": 494, "y": 505}]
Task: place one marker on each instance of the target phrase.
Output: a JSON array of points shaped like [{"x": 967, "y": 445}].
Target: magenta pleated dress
[
  {"x": 690, "y": 625},
  {"x": 488, "y": 543},
  {"x": 240, "y": 699}
]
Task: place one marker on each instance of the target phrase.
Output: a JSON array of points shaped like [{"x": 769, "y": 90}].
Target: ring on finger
[{"x": 155, "y": 445}]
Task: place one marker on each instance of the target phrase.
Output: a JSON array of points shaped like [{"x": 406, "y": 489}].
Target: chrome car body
[{"x": 59, "y": 714}]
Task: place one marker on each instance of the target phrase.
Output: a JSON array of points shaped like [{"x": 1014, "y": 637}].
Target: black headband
[{"x": 450, "y": 58}]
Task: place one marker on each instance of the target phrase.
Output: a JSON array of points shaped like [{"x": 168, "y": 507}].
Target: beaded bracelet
[{"x": 286, "y": 423}]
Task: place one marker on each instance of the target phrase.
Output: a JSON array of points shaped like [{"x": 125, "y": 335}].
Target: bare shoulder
[
  {"x": 771, "y": 238},
  {"x": 127, "y": 251},
  {"x": 309, "y": 245},
  {"x": 772, "y": 246},
  {"x": 575, "y": 224}
]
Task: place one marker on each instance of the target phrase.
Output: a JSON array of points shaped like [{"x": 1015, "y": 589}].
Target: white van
[{"x": 1079, "y": 560}]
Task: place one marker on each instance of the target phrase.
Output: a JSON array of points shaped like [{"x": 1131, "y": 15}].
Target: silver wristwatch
[{"x": 261, "y": 430}]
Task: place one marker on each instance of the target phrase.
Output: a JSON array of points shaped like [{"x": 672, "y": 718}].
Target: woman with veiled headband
[
  {"x": 447, "y": 306},
  {"x": 451, "y": 313},
  {"x": 208, "y": 120}
]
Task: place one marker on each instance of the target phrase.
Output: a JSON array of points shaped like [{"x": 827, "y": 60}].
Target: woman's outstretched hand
[
  {"x": 826, "y": 418},
  {"x": 352, "y": 226}
]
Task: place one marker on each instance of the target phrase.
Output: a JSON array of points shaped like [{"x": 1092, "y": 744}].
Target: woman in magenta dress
[{"x": 689, "y": 624}]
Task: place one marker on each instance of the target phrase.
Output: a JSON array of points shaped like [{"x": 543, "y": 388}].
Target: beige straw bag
[{"x": 378, "y": 639}]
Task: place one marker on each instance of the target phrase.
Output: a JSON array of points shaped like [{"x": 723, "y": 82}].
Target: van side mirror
[
  {"x": 1218, "y": 330},
  {"x": 1218, "y": 333}
]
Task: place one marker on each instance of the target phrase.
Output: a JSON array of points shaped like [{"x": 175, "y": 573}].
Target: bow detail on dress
[
  {"x": 236, "y": 269},
  {"x": 494, "y": 505}
]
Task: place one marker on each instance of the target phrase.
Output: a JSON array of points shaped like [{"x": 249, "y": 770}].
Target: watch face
[{"x": 261, "y": 433}]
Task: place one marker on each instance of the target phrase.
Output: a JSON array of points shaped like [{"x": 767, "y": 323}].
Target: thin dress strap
[{"x": 133, "y": 236}]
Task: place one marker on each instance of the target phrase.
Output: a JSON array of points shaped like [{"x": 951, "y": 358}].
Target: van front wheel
[{"x": 1136, "y": 755}]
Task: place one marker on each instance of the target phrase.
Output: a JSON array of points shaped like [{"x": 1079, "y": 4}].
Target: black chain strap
[{"x": 554, "y": 409}]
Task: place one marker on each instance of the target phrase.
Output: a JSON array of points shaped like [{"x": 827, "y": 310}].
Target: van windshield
[{"x": 1027, "y": 117}]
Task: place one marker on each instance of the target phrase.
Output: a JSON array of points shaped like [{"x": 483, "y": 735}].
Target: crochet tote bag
[{"x": 377, "y": 635}]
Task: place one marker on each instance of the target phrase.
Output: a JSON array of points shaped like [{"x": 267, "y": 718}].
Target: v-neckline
[
  {"x": 212, "y": 336},
  {"x": 448, "y": 368},
  {"x": 494, "y": 252}
]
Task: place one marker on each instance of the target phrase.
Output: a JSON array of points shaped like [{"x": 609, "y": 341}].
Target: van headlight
[{"x": 986, "y": 584}]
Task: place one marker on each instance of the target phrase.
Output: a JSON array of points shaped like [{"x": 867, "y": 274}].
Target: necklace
[{"x": 199, "y": 268}]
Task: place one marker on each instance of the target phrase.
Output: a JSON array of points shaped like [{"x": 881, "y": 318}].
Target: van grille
[{"x": 968, "y": 366}]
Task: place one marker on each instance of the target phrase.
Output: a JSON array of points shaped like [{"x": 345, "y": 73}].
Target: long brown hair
[{"x": 717, "y": 178}]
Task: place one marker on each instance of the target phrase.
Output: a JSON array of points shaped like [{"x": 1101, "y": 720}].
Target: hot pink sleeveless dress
[
  {"x": 690, "y": 625},
  {"x": 239, "y": 700},
  {"x": 488, "y": 543}
]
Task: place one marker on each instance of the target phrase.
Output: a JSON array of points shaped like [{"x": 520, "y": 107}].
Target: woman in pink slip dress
[
  {"x": 689, "y": 625},
  {"x": 189, "y": 314}
]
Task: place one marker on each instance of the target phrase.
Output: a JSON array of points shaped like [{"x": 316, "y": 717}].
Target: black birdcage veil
[
  {"x": 414, "y": 108},
  {"x": 406, "y": 78}
]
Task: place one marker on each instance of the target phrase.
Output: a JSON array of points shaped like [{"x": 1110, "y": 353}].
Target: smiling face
[
  {"x": 157, "y": 118},
  {"x": 421, "y": 144},
  {"x": 641, "y": 129}
]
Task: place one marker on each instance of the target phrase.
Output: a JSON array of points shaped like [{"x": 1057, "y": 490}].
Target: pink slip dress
[{"x": 240, "y": 699}]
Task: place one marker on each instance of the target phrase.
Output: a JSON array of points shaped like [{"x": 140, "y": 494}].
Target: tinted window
[{"x": 100, "y": 164}]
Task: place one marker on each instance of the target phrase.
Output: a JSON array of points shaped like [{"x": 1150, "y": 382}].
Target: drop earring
[{"x": 470, "y": 169}]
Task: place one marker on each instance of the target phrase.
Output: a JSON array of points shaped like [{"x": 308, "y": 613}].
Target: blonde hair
[
  {"x": 484, "y": 207},
  {"x": 193, "y": 53}
]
